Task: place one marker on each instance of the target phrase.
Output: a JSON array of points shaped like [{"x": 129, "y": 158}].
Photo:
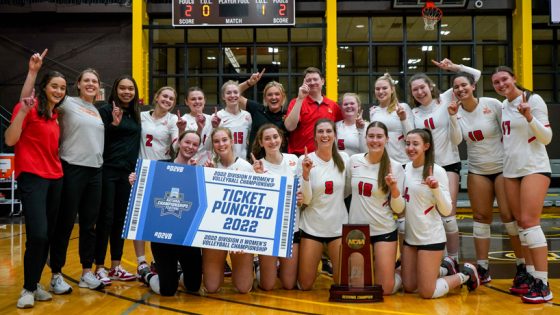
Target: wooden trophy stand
[{"x": 355, "y": 239}]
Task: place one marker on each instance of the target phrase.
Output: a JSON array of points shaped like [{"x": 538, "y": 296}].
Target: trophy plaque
[{"x": 355, "y": 239}]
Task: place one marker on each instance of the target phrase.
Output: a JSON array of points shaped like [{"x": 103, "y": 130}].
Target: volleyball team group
[{"x": 399, "y": 173}]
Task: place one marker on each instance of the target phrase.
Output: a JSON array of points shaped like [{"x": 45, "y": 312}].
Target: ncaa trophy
[{"x": 355, "y": 240}]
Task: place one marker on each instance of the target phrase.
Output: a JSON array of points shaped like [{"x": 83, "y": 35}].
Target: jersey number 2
[
  {"x": 329, "y": 187},
  {"x": 149, "y": 139}
]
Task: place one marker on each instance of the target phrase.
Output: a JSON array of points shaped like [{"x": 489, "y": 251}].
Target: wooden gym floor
[{"x": 134, "y": 298}]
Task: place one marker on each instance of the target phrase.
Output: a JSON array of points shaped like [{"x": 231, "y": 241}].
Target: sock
[
  {"x": 464, "y": 278},
  {"x": 530, "y": 269},
  {"x": 141, "y": 259},
  {"x": 519, "y": 261},
  {"x": 483, "y": 263},
  {"x": 454, "y": 256},
  {"x": 442, "y": 272},
  {"x": 543, "y": 275}
]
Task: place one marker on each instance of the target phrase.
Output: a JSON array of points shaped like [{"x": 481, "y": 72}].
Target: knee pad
[
  {"x": 535, "y": 237},
  {"x": 400, "y": 225},
  {"x": 398, "y": 283},
  {"x": 481, "y": 230},
  {"x": 450, "y": 224},
  {"x": 522, "y": 238},
  {"x": 441, "y": 288},
  {"x": 512, "y": 228}
]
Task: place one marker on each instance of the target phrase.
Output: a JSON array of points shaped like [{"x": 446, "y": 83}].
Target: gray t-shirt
[{"x": 82, "y": 133}]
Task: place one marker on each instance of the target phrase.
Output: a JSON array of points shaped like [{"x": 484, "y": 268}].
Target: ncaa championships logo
[
  {"x": 172, "y": 203},
  {"x": 356, "y": 239}
]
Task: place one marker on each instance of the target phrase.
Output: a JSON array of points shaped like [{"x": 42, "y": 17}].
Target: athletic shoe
[
  {"x": 483, "y": 274},
  {"x": 91, "y": 282},
  {"x": 522, "y": 281},
  {"x": 474, "y": 281},
  {"x": 101, "y": 275},
  {"x": 227, "y": 270},
  {"x": 326, "y": 267},
  {"x": 41, "y": 294},
  {"x": 142, "y": 270},
  {"x": 539, "y": 293},
  {"x": 451, "y": 265},
  {"x": 58, "y": 285},
  {"x": 118, "y": 273},
  {"x": 26, "y": 299}
]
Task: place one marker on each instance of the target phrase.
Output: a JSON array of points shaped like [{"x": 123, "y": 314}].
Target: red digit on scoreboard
[
  {"x": 282, "y": 10},
  {"x": 188, "y": 10}
]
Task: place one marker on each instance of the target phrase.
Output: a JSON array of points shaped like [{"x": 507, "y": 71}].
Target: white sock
[
  {"x": 464, "y": 278},
  {"x": 531, "y": 269},
  {"x": 442, "y": 272},
  {"x": 140, "y": 259},
  {"x": 483, "y": 263},
  {"x": 519, "y": 261},
  {"x": 454, "y": 256},
  {"x": 543, "y": 275}
]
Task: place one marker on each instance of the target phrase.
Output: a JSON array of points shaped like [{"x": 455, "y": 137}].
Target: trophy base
[{"x": 346, "y": 294}]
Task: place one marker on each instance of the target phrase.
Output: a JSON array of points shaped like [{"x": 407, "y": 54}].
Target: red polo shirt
[
  {"x": 311, "y": 111},
  {"x": 36, "y": 151}
]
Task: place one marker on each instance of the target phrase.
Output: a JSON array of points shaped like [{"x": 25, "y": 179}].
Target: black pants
[
  {"x": 81, "y": 194},
  {"x": 40, "y": 198},
  {"x": 166, "y": 257},
  {"x": 114, "y": 201}
]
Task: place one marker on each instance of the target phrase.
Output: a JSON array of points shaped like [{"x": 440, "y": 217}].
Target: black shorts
[
  {"x": 491, "y": 177},
  {"x": 387, "y": 237},
  {"x": 297, "y": 237},
  {"x": 324, "y": 240},
  {"x": 430, "y": 247},
  {"x": 547, "y": 174},
  {"x": 455, "y": 168}
]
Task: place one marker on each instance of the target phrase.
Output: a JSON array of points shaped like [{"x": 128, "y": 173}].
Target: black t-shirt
[{"x": 260, "y": 116}]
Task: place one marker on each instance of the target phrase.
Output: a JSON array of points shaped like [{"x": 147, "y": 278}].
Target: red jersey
[
  {"x": 36, "y": 151},
  {"x": 311, "y": 111}
]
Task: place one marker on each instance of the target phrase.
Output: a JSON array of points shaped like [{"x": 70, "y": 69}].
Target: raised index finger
[
  {"x": 523, "y": 97},
  {"x": 262, "y": 72},
  {"x": 253, "y": 157},
  {"x": 44, "y": 53},
  {"x": 305, "y": 151},
  {"x": 215, "y": 110},
  {"x": 33, "y": 93},
  {"x": 179, "y": 113},
  {"x": 431, "y": 171}
]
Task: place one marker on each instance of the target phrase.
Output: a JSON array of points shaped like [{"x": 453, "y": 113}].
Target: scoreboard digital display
[{"x": 188, "y": 13}]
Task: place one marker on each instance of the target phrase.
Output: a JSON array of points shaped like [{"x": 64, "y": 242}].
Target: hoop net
[{"x": 431, "y": 15}]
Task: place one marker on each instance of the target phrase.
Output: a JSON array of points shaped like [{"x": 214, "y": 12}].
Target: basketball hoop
[{"x": 431, "y": 15}]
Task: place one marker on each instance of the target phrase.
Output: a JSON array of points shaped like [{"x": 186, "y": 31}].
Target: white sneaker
[
  {"x": 58, "y": 285},
  {"x": 154, "y": 284},
  {"x": 101, "y": 275},
  {"x": 26, "y": 299},
  {"x": 91, "y": 282},
  {"x": 41, "y": 294}
]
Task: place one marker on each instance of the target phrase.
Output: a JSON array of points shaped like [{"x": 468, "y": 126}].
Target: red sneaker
[{"x": 118, "y": 273}]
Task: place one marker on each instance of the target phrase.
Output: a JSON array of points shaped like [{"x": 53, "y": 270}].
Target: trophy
[{"x": 356, "y": 243}]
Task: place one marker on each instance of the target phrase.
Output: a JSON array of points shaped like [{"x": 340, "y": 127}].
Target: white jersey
[
  {"x": 157, "y": 136},
  {"x": 239, "y": 165},
  {"x": 397, "y": 130},
  {"x": 324, "y": 196},
  {"x": 287, "y": 167},
  {"x": 483, "y": 135},
  {"x": 370, "y": 205},
  {"x": 436, "y": 118},
  {"x": 524, "y": 143},
  {"x": 423, "y": 225},
  {"x": 240, "y": 126},
  {"x": 205, "y": 147},
  {"x": 350, "y": 139}
]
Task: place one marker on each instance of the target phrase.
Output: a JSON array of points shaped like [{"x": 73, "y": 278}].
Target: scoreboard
[{"x": 187, "y": 13}]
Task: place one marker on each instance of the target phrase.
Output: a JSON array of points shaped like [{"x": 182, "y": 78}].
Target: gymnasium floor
[{"x": 134, "y": 298}]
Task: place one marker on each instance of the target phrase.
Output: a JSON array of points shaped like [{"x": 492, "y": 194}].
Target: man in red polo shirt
[{"x": 303, "y": 111}]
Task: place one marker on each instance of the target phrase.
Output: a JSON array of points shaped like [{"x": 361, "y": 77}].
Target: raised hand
[
  {"x": 192, "y": 162},
  {"x": 431, "y": 181},
  {"x": 360, "y": 123},
  {"x": 299, "y": 198},
  {"x": 132, "y": 178},
  {"x": 215, "y": 118},
  {"x": 255, "y": 77},
  {"x": 258, "y": 166},
  {"x": 391, "y": 180},
  {"x": 306, "y": 165},
  {"x": 36, "y": 61},
  {"x": 200, "y": 121},
  {"x": 524, "y": 108},
  {"x": 303, "y": 91},
  {"x": 117, "y": 115},
  {"x": 181, "y": 123},
  {"x": 209, "y": 163},
  {"x": 401, "y": 112},
  {"x": 445, "y": 64},
  {"x": 453, "y": 107}
]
